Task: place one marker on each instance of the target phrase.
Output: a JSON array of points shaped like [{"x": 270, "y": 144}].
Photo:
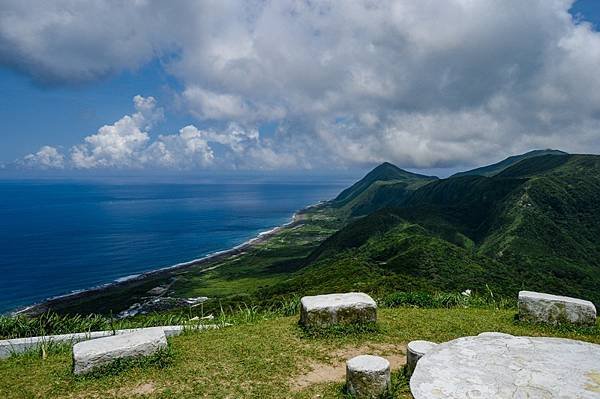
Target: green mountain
[
  {"x": 496, "y": 168},
  {"x": 384, "y": 183},
  {"x": 533, "y": 226}
]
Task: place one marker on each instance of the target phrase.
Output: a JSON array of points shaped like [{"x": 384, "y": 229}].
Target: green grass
[{"x": 257, "y": 358}]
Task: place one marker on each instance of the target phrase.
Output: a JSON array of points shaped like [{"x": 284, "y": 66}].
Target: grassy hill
[
  {"x": 384, "y": 185},
  {"x": 535, "y": 226}
]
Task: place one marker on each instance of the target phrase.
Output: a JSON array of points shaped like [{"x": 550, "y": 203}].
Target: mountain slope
[
  {"x": 496, "y": 168},
  {"x": 535, "y": 225},
  {"x": 372, "y": 191}
]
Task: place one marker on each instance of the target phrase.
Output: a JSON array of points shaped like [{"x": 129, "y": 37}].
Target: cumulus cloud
[
  {"x": 185, "y": 150},
  {"x": 46, "y": 158},
  {"x": 119, "y": 144},
  {"x": 128, "y": 143},
  {"x": 422, "y": 83}
]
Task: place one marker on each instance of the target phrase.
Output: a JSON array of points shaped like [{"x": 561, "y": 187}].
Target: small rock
[
  {"x": 415, "y": 350},
  {"x": 88, "y": 355},
  {"x": 554, "y": 309},
  {"x": 367, "y": 376},
  {"x": 326, "y": 310}
]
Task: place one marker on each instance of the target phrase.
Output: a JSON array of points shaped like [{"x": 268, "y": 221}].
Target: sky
[{"x": 294, "y": 85}]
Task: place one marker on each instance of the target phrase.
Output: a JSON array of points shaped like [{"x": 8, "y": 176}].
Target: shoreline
[{"x": 218, "y": 256}]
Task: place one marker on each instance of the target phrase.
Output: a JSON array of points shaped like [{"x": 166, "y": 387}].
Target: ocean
[{"x": 60, "y": 237}]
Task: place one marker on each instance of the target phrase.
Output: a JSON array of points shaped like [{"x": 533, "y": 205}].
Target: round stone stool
[
  {"x": 414, "y": 351},
  {"x": 367, "y": 376}
]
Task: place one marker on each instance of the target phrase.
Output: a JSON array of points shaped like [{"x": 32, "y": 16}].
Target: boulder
[
  {"x": 326, "y": 310},
  {"x": 367, "y": 376},
  {"x": 414, "y": 351},
  {"x": 554, "y": 309},
  {"x": 88, "y": 355}
]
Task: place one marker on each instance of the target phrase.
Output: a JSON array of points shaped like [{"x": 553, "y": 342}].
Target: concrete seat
[
  {"x": 553, "y": 309},
  {"x": 89, "y": 355},
  {"x": 327, "y": 310}
]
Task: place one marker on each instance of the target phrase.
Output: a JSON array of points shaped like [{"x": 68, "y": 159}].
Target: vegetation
[
  {"x": 533, "y": 226},
  {"x": 492, "y": 170},
  {"x": 265, "y": 357}
]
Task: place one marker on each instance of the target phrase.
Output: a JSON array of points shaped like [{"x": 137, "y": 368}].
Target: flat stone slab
[
  {"x": 554, "y": 309},
  {"x": 501, "y": 366},
  {"x": 330, "y": 309},
  {"x": 89, "y": 355},
  {"x": 9, "y": 347},
  {"x": 415, "y": 350},
  {"x": 367, "y": 376}
]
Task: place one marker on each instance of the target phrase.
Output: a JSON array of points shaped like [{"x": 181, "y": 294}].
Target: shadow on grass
[
  {"x": 338, "y": 330},
  {"x": 559, "y": 328}
]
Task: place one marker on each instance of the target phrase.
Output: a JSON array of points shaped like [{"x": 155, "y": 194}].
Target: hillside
[
  {"x": 494, "y": 169},
  {"x": 380, "y": 187},
  {"x": 534, "y": 226}
]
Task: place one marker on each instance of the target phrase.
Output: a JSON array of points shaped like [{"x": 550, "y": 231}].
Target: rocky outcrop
[
  {"x": 327, "y": 310},
  {"x": 553, "y": 309},
  {"x": 367, "y": 376},
  {"x": 89, "y": 355}
]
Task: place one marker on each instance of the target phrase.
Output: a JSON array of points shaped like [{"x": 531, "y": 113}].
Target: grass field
[{"x": 263, "y": 358}]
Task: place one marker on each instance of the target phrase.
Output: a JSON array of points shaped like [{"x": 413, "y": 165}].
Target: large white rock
[
  {"x": 415, "y": 350},
  {"x": 367, "y": 376},
  {"x": 326, "y": 310},
  {"x": 500, "y": 366},
  {"x": 554, "y": 309},
  {"x": 88, "y": 355}
]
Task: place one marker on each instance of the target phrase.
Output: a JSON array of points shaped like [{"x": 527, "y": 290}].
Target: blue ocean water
[{"x": 59, "y": 237}]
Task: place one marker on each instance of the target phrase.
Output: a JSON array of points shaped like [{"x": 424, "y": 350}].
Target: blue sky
[{"x": 272, "y": 108}]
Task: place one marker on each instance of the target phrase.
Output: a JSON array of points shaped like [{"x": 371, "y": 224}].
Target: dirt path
[{"x": 335, "y": 368}]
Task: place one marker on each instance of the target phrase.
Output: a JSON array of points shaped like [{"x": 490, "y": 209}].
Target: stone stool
[
  {"x": 367, "y": 376},
  {"x": 414, "y": 351},
  {"x": 330, "y": 309}
]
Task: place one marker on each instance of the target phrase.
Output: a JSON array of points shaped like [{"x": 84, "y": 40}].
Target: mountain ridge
[{"x": 498, "y": 167}]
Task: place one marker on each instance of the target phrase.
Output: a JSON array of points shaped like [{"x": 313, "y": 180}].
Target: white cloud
[
  {"x": 46, "y": 158},
  {"x": 127, "y": 143},
  {"x": 185, "y": 150},
  {"x": 421, "y": 83},
  {"x": 120, "y": 144}
]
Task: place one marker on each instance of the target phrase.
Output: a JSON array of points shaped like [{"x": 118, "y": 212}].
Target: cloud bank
[
  {"x": 127, "y": 144},
  {"x": 420, "y": 83}
]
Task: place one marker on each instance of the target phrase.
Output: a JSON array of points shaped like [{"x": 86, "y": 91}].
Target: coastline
[{"x": 219, "y": 256}]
